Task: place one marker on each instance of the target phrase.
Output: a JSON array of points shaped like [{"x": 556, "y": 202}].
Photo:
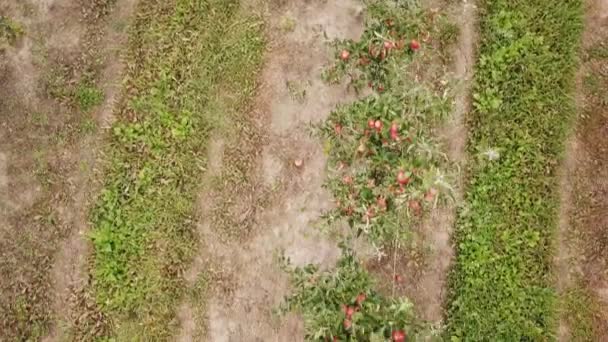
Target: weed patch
[
  {"x": 341, "y": 305},
  {"x": 143, "y": 224},
  {"x": 501, "y": 285},
  {"x": 87, "y": 97},
  {"x": 10, "y": 31}
]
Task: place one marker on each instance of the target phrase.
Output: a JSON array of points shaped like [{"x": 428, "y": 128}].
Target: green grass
[
  {"x": 88, "y": 126},
  {"x": 87, "y": 97},
  {"x": 341, "y": 304},
  {"x": 501, "y": 286},
  {"x": 188, "y": 59},
  {"x": 447, "y": 35},
  {"x": 82, "y": 95}
]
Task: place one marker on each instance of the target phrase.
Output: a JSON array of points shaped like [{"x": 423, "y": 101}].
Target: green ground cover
[
  {"x": 187, "y": 59},
  {"x": 501, "y": 286}
]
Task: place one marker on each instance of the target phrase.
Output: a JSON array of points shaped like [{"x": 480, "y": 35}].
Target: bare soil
[
  {"x": 248, "y": 282},
  {"x": 69, "y": 272},
  {"x": 582, "y": 260},
  {"x": 30, "y": 121},
  {"x": 431, "y": 293},
  {"x": 47, "y": 155}
]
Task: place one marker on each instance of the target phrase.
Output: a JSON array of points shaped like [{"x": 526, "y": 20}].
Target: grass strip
[
  {"x": 187, "y": 59},
  {"x": 501, "y": 287}
]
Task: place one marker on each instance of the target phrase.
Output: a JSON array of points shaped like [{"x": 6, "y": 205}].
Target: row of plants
[
  {"x": 342, "y": 305},
  {"x": 386, "y": 168},
  {"x": 501, "y": 285},
  {"x": 181, "y": 52},
  {"x": 386, "y": 173}
]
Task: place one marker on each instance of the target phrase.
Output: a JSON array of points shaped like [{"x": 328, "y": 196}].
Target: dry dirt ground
[
  {"x": 429, "y": 289},
  {"x": 583, "y": 261},
  {"x": 48, "y": 152},
  {"x": 253, "y": 285}
]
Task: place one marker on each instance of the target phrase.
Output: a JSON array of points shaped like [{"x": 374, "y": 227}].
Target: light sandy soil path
[{"x": 253, "y": 285}]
